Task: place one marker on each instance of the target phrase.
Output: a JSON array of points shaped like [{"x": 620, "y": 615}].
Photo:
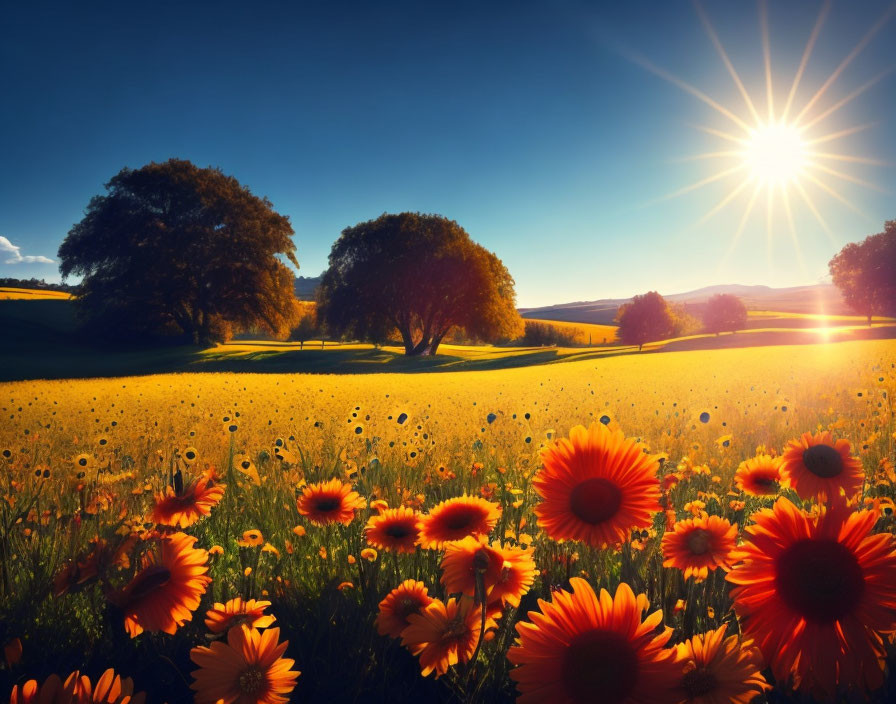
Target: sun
[
  {"x": 776, "y": 148},
  {"x": 775, "y": 154}
]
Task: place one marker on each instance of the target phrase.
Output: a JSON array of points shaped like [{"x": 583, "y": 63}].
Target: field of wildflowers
[{"x": 705, "y": 526}]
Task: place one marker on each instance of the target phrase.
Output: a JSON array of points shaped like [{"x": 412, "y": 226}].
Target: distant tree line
[
  {"x": 38, "y": 284},
  {"x": 539, "y": 334}
]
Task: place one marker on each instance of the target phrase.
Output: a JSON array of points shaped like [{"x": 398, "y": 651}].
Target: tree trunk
[
  {"x": 419, "y": 349},
  {"x": 869, "y": 319},
  {"x": 436, "y": 341}
]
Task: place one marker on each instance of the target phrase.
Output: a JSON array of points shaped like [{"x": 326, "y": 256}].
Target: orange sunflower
[
  {"x": 455, "y": 519},
  {"x": 182, "y": 506},
  {"x": 444, "y": 634},
  {"x": 580, "y": 647},
  {"x": 394, "y": 530},
  {"x": 329, "y": 502},
  {"x": 508, "y": 572},
  {"x": 815, "y": 592},
  {"x": 166, "y": 591},
  {"x": 759, "y": 476},
  {"x": 698, "y": 545},
  {"x": 719, "y": 669},
  {"x": 816, "y": 464},
  {"x": 78, "y": 689},
  {"x": 596, "y": 486},
  {"x": 247, "y": 669},
  {"x": 409, "y": 597},
  {"x": 236, "y": 611}
]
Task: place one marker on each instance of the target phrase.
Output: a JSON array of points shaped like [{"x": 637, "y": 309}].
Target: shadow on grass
[{"x": 40, "y": 341}]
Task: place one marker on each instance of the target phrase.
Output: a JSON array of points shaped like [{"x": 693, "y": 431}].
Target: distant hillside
[
  {"x": 305, "y": 287},
  {"x": 821, "y": 298}
]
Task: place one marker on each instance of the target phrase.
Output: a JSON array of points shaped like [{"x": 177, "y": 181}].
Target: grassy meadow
[{"x": 86, "y": 460}]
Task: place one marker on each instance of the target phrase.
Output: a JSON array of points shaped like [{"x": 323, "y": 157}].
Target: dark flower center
[
  {"x": 595, "y": 500},
  {"x": 699, "y": 541},
  {"x": 408, "y": 606},
  {"x": 698, "y": 683},
  {"x": 600, "y": 665},
  {"x": 328, "y": 503},
  {"x": 819, "y": 579},
  {"x": 397, "y": 530},
  {"x": 823, "y": 461},
  {"x": 251, "y": 680},
  {"x": 459, "y": 520},
  {"x": 148, "y": 581}
]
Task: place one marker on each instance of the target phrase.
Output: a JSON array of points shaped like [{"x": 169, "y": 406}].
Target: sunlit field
[
  {"x": 31, "y": 294},
  {"x": 101, "y": 475}
]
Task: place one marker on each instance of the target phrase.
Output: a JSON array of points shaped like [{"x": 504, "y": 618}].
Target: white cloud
[{"x": 15, "y": 255}]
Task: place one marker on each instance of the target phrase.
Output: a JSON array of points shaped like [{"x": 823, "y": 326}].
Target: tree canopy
[
  {"x": 645, "y": 319},
  {"x": 724, "y": 312},
  {"x": 177, "y": 249},
  {"x": 865, "y": 273},
  {"x": 420, "y": 276}
]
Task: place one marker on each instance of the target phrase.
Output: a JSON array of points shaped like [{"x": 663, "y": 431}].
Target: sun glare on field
[
  {"x": 778, "y": 148},
  {"x": 775, "y": 154}
]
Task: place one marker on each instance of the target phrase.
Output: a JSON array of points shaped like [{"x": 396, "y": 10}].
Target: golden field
[
  {"x": 86, "y": 460},
  {"x": 32, "y": 294}
]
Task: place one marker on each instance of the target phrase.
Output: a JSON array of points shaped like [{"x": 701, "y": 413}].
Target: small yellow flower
[
  {"x": 247, "y": 571},
  {"x": 216, "y": 550},
  {"x": 351, "y": 559},
  {"x": 271, "y": 549},
  {"x": 299, "y": 531},
  {"x": 369, "y": 554},
  {"x": 323, "y": 553},
  {"x": 345, "y": 585}
]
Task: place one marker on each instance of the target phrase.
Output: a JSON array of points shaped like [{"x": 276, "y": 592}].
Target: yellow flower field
[{"x": 107, "y": 482}]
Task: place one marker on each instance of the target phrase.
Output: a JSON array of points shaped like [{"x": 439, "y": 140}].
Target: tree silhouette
[
  {"x": 645, "y": 319},
  {"x": 420, "y": 275},
  {"x": 865, "y": 273},
  {"x": 173, "y": 248},
  {"x": 724, "y": 312}
]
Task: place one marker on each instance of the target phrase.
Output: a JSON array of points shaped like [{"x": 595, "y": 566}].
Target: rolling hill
[{"x": 819, "y": 299}]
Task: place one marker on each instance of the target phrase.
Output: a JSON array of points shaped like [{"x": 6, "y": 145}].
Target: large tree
[
  {"x": 724, "y": 312},
  {"x": 865, "y": 273},
  {"x": 647, "y": 318},
  {"x": 417, "y": 275},
  {"x": 174, "y": 248}
]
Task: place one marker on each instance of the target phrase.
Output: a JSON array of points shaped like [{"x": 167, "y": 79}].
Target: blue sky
[{"x": 528, "y": 123}]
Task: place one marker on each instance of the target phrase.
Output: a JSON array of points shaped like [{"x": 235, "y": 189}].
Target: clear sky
[{"x": 531, "y": 124}]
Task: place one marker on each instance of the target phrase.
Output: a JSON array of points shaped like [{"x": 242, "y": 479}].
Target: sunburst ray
[
  {"x": 807, "y": 52},
  {"x": 726, "y": 200},
  {"x": 830, "y": 137},
  {"x": 848, "y": 99},
  {"x": 688, "y": 88},
  {"x": 846, "y": 177},
  {"x": 724, "y": 56},
  {"x": 863, "y": 42},
  {"x": 767, "y": 56},
  {"x": 785, "y": 199}
]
